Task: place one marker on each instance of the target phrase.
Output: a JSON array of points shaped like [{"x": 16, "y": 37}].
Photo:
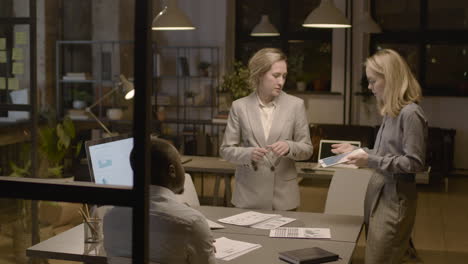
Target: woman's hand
[
  {"x": 279, "y": 148},
  {"x": 258, "y": 154},
  {"x": 359, "y": 159},
  {"x": 342, "y": 148}
]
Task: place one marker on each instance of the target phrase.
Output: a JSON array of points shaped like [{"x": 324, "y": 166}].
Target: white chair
[
  {"x": 190, "y": 196},
  {"x": 347, "y": 191}
]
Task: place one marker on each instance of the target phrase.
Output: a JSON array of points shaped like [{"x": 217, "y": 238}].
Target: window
[
  {"x": 308, "y": 50},
  {"x": 433, "y": 36}
]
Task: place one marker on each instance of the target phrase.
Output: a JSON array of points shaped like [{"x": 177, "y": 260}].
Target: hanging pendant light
[
  {"x": 368, "y": 24},
  {"x": 264, "y": 28},
  {"x": 326, "y": 15},
  {"x": 171, "y": 18}
]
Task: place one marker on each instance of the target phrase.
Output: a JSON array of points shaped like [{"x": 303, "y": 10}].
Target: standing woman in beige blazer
[
  {"x": 267, "y": 131},
  {"x": 399, "y": 152}
]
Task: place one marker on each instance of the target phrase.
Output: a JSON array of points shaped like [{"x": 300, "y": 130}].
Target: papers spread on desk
[
  {"x": 257, "y": 220},
  {"x": 247, "y": 218},
  {"x": 214, "y": 225},
  {"x": 301, "y": 232},
  {"x": 228, "y": 249},
  {"x": 273, "y": 223}
]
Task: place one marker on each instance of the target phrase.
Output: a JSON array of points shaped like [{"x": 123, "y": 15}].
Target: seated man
[{"x": 178, "y": 233}]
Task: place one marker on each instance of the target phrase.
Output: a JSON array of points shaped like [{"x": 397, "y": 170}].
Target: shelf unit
[
  {"x": 100, "y": 61},
  {"x": 187, "y": 97}
]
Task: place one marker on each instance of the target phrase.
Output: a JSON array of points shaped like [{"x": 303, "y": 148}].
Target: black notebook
[{"x": 308, "y": 256}]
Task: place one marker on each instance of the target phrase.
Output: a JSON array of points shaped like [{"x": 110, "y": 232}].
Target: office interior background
[{"x": 73, "y": 57}]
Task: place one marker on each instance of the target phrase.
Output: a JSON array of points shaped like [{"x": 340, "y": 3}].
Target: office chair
[{"x": 347, "y": 191}]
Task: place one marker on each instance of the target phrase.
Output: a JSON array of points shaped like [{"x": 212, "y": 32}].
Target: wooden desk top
[
  {"x": 344, "y": 228},
  {"x": 219, "y": 165}
]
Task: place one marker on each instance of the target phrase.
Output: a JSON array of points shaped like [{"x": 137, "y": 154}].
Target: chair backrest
[
  {"x": 190, "y": 196},
  {"x": 347, "y": 191}
]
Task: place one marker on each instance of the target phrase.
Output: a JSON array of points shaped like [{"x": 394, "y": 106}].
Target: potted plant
[
  {"x": 81, "y": 99},
  {"x": 57, "y": 146},
  {"x": 236, "y": 83},
  {"x": 295, "y": 68}
]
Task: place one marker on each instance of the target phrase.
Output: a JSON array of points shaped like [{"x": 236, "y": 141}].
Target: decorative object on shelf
[
  {"x": 127, "y": 89},
  {"x": 190, "y": 97},
  {"x": 296, "y": 71},
  {"x": 326, "y": 15},
  {"x": 204, "y": 69},
  {"x": 236, "y": 82},
  {"x": 264, "y": 28},
  {"x": 77, "y": 76},
  {"x": 171, "y": 18},
  {"x": 81, "y": 99},
  {"x": 183, "y": 68},
  {"x": 114, "y": 113}
]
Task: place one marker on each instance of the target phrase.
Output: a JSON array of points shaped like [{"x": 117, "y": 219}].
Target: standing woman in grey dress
[{"x": 399, "y": 153}]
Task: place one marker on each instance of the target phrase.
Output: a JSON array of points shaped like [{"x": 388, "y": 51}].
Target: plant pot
[
  {"x": 114, "y": 113},
  {"x": 79, "y": 104},
  {"x": 21, "y": 241},
  {"x": 301, "y": 86}
]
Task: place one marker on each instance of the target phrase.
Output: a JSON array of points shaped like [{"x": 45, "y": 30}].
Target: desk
[
  {"x": 224, "y": 169},
  {"x": 268, "y": 253},
  {"x": 69, "y": 245},
  {"x": 343, "y": 228}
]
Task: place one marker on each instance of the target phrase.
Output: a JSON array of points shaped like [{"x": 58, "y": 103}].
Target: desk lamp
[{"x": 127, "y": 89}]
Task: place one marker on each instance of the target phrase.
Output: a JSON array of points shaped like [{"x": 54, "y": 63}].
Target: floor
[{"x": 440, "y": 234}]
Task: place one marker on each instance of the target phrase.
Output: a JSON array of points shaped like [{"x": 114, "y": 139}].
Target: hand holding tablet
[{"x": 338, "y": 159}]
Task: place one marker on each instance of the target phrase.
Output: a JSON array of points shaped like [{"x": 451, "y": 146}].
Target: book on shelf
[
  {"x": 76, "y": 76},
  {"x": 183, "y": 67},
  {"x": 308, "y": 256},
  {"x": 220, "y": 118},
  {"x": 77, "y": 114}
]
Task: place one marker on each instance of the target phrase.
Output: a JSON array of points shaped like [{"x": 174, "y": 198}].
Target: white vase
[
  {"x": 79, "y": 104},
  {"x": 114, "y": 113}
]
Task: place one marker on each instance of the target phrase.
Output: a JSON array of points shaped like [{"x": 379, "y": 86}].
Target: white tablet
[{"x": 337, "y": 159}]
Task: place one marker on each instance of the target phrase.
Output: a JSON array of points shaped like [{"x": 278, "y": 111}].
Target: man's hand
[
  {"x": 342, "y": 148},
  {"x": 258, "y": 154},
  {"x": 279, "y": 148}
]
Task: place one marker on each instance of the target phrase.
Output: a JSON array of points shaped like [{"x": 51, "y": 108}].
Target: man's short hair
[{"x": 161, "y": 156}]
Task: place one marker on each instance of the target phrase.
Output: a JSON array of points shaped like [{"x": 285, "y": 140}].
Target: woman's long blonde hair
[
  {"x": 261, "y": 63},
  {"x": 401, "y": 87}
]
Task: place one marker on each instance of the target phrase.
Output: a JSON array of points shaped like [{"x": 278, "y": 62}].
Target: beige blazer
[{"x": 268, "y": 184}]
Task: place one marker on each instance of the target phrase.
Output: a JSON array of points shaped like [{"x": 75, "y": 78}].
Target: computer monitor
[
  {"x": 325, "y": 147},
  {"x": 109, "y": 160}
]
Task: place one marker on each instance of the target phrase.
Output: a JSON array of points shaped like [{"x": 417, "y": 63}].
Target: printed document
[
  {"x": 301, "y": 232},
  {"x": 247, "y": 218},
  {"x": 228, "y": 249}
]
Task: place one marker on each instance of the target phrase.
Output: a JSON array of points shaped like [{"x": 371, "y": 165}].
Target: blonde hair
[
  {"x": 261, "y": 63},
  {"x": 401, "y": 87}
]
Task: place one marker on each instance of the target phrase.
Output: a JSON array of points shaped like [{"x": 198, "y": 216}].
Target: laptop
[{"x": 109, "y": 160}]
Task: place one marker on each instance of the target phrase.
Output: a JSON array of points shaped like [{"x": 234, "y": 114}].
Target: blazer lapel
[
  {"x": 253, "y": 113},
  {"x": 278, "y": 120}
]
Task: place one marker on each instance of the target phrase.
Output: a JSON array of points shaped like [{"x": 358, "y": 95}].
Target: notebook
[
  {"x": 109, "y": 160},
  {"x": 308, "y": 256}
]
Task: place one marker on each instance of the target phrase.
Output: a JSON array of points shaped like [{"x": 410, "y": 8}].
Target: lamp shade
[
  {"x": 171, "y": 18},
  {"x": 368, "y": 24},
  {"x": 326, "y": 15},
  {"x": 128, "y": 88},
  {"x": 264, "y": 28}
]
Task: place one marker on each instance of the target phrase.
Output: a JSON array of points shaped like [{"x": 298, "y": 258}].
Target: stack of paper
[
  {"x": 301, "y": 232},
  {"x": 228, "y": 249},
  {"x": 257, "y": 220}
]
